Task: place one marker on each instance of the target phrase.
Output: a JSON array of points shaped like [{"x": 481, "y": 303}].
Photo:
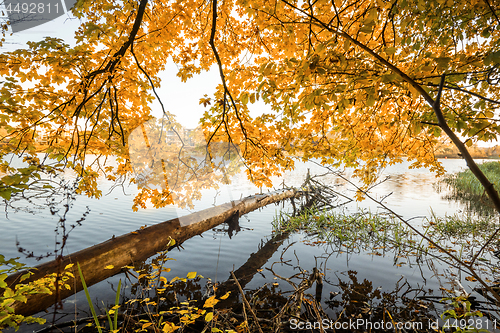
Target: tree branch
[
  {"x": 440, "y": 90},
  {"x": 226, "y": 91},
  {"x": 492, "y": 10},
  {"x": 435, "y": 104},
  {"x": 219, "y": 64},
  {"x": 121, "y": 52},
  {"x": 467, "y": 92},
  {"x": 385, "y": 62}
]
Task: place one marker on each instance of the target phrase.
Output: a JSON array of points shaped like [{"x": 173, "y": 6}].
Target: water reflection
[
  {"x": 347, "y": 301},
  {"x": 368, "y": 305},
  {"x": 480, "y": 205},
  {"x": 413, "y": 194}
]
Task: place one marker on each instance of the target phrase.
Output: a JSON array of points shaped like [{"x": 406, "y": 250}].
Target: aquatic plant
[
  {"x": 463, "y": 236},
  {"x": 362, "y": 231},
  {"x": 466, "y": 182},
  {"x": 461, "y": 317}
]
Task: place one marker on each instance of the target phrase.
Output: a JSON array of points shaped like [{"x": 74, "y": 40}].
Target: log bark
[{"x": 137, "y": 246}]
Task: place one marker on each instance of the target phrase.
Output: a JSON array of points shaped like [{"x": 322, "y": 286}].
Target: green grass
[
  {"x": 466, "y": 182},
  {"x": 462, "y": 226},
  {"x": 363, "y": 230},
  {"x": 113, "y": 324},
  {"x": 372, "y": 233}
]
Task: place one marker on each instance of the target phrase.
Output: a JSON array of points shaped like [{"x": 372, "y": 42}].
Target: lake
[{"x": 414, "y": 194}]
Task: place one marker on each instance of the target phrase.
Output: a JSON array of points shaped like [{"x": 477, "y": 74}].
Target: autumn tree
[
  {"x": 364, "y": 82},
  {"x": 359, "y": 83}
]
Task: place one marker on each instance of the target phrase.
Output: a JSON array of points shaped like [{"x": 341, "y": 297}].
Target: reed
[
  {"x": 466, "y": 182},
  {"x": 113, "y": 324},
  {"x": 368, "y": 232},
  {"x": 89, "y": 300},
  {"x": 363, "y": 230}
]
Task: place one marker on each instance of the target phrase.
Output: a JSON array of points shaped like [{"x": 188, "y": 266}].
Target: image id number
[
  {"x": 33, "y": 8},
  {"x": 470, "y": 323}
]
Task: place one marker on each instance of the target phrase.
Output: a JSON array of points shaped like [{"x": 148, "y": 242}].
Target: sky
[{"x": 180, "y": 99}]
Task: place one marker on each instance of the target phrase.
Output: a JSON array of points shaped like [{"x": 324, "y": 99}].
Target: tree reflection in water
[
  {"x": 283, "y": 306},
  {"x": 361, "y": 300}
]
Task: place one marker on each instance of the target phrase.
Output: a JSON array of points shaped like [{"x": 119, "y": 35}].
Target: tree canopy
[{"x": 361, "y": 83}]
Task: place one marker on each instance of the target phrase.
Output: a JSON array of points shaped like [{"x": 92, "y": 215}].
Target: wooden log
[{"x": 137, "y": 246}]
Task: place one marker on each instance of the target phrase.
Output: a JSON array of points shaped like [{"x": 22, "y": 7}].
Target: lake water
[{"x": 215, "y": 254}]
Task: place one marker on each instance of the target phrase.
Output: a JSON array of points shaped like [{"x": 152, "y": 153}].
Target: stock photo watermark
[
  {"x": 27, "y": 14},
  {"x": 364, "y": 325},
  {"x": 356, "y": 324}
]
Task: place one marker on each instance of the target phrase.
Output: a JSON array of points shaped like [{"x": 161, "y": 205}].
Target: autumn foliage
[{"x": 347, "y": 82}]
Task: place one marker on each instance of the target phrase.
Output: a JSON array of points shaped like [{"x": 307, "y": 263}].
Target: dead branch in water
[{"x": 137, "y": 246}]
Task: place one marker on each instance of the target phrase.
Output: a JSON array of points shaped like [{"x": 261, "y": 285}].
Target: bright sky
[{"x": 180, "y": 99}]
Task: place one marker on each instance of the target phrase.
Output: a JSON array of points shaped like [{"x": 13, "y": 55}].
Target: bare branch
[
  {"x": 440, "y": 90},
  {"x": 492, "y": 10}
]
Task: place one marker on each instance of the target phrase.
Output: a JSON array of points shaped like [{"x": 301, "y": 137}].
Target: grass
[
  {"x": 371, "y": 233},
  {"x": 469, "y": 191},
  {"x": 462, "y": 226},
  {"x": 466, "y": 182},
  {"x": 362, "y": 231}
]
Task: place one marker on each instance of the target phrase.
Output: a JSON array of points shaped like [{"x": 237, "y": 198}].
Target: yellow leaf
[
  {"x": 109, "y": 267},
  {"x": 209, "y": 316},
  {"x": 169, "y": 327},
  {"x": 191, "y": 275},
  {"x": 210, "y": 302},
  {"x": 68, "y": 266},
  {"x": 144, "y": 326},
  {"x": 24, "y": 276},
  {"x": 470, "y": 278},
  {"x": 390, "y": 50},
  {"x": 226, "y": 295}
]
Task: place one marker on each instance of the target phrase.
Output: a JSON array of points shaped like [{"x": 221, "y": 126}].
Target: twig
[
  {"x": 492, "y": 10},
  {"x": 460, "y": 262},
  {"x": 246, "y": 303}
]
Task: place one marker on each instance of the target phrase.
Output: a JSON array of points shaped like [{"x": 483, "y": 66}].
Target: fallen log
[{"x": 136, "y": 246}]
